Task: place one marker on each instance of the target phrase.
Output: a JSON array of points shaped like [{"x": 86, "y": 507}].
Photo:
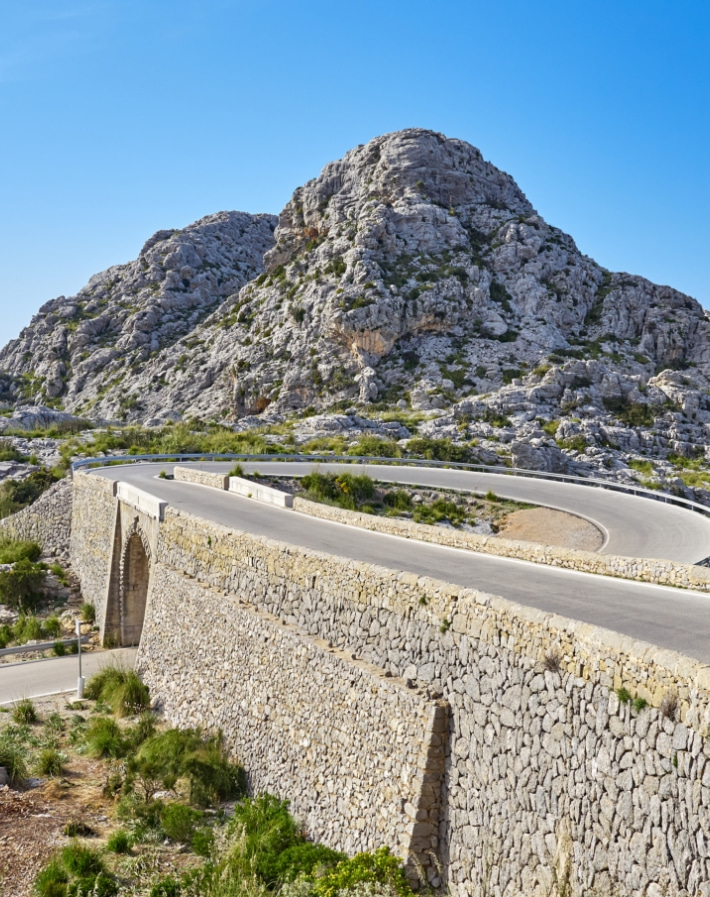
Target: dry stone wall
[
  {"x": 359, "y": 754},
  {"x": 92, "y": 537},
  {"x": 201, "y": 477},
  {"x": 47, "y": 521},
  {"x": 548, "y": 776}
]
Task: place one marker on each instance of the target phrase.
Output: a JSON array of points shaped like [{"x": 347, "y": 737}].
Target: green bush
[
  {"x": 59, "y": 649},
  {"x": 81, "y": 861},
  {"x": 26, "y": 629},
  {"x": 633, "y": 414},
  {"x": 87, "y": 612},
  {"x": 54, "y": 725},
  {"x": 24, "y": 712},
  {"x": 398, "y": 499},
  {"x": 19, "y": 586},
  {"x": 304, "y": 859},
  {"x": 345, "y": 489},
  {"x": 120, "y": 688},
  {"x": 119, "y": 842},
  {"x": 105, "y": 739},
  {"x": 100, "y": 885},
  {"x": 52, "y": 880},
  {"x": 203, "y": 842},
  {"x": 17, "y": 494},
  {"x": 439, "y": 511},
  {"x": 440, "y": 450},
  {"x": 143, "y": 729},
  {"x": 141, "y": 815},
  {"x": 379, "y": 867},
  {"x": 184, "y": 753},
  {"x": 373, "y": 446},
  {"x": 50, "y": 762},
  {"x": 5, "y": 635},
  {"x": 13, "y": 550},
  {"x": 13, "y": 756},
  {"x": 260, "y": 830},
  {"x": 179, "y": 822},
  {"x": 52, "y": 627},
  {"x": 168, "y": 886},
  {"x": 8, "y": 452}
]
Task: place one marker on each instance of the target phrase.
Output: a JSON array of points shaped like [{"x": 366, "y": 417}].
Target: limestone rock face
[
  {"x": 531, "y": 456},
  {"x": 410, "y": 273}
]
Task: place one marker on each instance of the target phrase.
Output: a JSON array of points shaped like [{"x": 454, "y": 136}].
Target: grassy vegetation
[
  {"x": 172, "y": 839},
  {"x": 693, "y": 472},
  {"x": 344, "y": 490},
  {"x": 23, "y": 712},
  {"x": 633, "y": 414},
  {"x": 120, "y": 688},
  {"x": 17, "y": 494},
  {"x": 641, "y": 465},
  {"x": 182, "y": 438},
  {"x": 29, "y": 628},
  {"x": 20, "y": 587}
]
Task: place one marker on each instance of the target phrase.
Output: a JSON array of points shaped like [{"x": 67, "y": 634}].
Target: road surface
[
  {"x": 671, "y": 618},
  {"x": 35, "y": 678}
]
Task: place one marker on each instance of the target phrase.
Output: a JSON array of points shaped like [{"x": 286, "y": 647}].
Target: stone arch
[{"x": 135, "y": 567}]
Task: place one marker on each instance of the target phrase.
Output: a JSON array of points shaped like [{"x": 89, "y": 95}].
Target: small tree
[{"x": 19, "y": 586}]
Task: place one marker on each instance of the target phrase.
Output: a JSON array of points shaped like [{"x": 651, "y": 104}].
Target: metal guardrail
[
  {"x": 404, "y": 462},
  {"x": 42, "y": 646}
]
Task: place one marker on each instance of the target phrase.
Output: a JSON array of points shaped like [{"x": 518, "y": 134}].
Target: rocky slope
[
  {"x": 411, "y": 273},
  {"x": 127, "y": 333}
]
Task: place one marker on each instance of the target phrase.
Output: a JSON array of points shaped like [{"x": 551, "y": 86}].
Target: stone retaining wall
[
  {"x": 651, "y": 570},
  {"x": 47, "y": 521},
  {"x": 201, "y": 477},
  {"x": 359, "y": 755},
  {"x": 92, "y": 537},
  {"x": 548, "y": 774},
  {"x": 259, "y": 492}
]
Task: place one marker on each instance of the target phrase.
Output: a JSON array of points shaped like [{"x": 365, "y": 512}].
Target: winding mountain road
[{"x": 667, "y": 617}]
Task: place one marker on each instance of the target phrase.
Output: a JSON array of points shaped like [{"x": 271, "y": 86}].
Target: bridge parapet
[{"x": 142, "y": 501}]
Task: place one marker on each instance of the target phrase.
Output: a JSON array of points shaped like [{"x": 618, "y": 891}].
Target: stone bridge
[{"x": 482, "y": 741}]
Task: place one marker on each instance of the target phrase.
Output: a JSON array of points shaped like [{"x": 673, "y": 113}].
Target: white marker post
[{"x": 80, "y": 680}]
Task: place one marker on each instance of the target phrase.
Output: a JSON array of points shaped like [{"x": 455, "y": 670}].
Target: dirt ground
[
  {"x": 31, "y": 821},
  {"x": 548, "y": 527}
]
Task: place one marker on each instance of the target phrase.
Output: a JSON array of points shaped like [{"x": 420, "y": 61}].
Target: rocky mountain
[
  {"x": 126, "y": 335},
  {"x": 410, "y": 273}
]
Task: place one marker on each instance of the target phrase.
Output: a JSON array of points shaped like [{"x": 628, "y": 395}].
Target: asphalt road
[
  {"x": 35, "y": 678},
  {"x": 632, "y": 526},
  {"x": 670, "y": 618}
]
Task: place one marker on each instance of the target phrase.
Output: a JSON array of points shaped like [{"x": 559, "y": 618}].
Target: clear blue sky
[{"x": 121, "y": 117}]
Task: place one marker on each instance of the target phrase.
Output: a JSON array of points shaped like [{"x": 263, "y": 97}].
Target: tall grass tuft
[
  {"x": 50, "y": 762},
  {"x": 105, "y": 739},
  {"x": 13, "y": 756},
  {"x": 120, "y": 688},
  {"x": 23, "y": 712}
]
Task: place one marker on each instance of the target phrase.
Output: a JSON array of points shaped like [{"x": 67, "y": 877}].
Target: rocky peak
[{"x": 411, "y": 271}]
